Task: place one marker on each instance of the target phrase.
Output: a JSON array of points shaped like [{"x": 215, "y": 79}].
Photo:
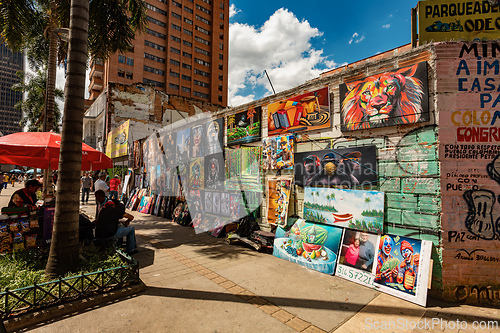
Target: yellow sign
[
  {"x": 442, "y": 20},
  {"x": 118, "y": 141}
]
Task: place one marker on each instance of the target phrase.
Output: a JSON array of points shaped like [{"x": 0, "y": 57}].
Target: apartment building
[
  {"x": 183, "y": 52},
  {"x": 10, "y": 63}
]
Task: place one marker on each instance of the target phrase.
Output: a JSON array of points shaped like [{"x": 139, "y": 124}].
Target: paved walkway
[{"x": 197, "y": 283}]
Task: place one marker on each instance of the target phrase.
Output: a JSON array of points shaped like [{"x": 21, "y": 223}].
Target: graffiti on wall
[
  {"x": 479, "y": 219},
  {"x": 478, "y": 294}
]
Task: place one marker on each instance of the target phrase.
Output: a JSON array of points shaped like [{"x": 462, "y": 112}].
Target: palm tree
[
  {"x": 251, "y": 114},
  {"x": 231, "y": 120},
  {"x": 33, "y": 106},
  {"x": 107, "y": 28},
  {"x": 367, "y": 201}
]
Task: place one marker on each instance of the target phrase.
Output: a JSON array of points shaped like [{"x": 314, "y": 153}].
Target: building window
[
  {"x": 202, "y": 62},
  {"x": 199, "y": 94},
  {"x": 129, "y": 75},
  {"x": 222, "y": 5},
  {"x": 201, "y": 40},
  {"x": 207, "y": 1},
  {"x": 189, "y": 10},
  {"x": 121, "y": 59},
  {"x": 175, "y": 38},
  {"x": 187, "y": 43},
  {"x": 121, "y": 73},
  {"x": 203, "y": 9},
  {"x": 156, "y": 83},
  {"x": 186, "y": 54},
  {"x": 154, "y": 70},
  {"x": 176, "y": 27},
  {"x": 202, "y": 73},
  {"x": 178, "y": 5},
  {"x": 174, "y": 62},
  {"x": 173, "y": 86},
  {"x": 204, "y": 20},
  {"x": 155, "y": 21},
  {"x": 201, "y": 84},
  {"x": 221, "y": 66},
  {"x": 174, "y": 74},
  {"x": 156, "y": 9},
  {"x": 153, "y": 45},
  {"x": 221, "y": 16},
  {"x": 130, "y": 61},
  {"x": 187, "y": 78},
  {"x": 197, "y": 49},
  {"x": 188, "y": 21},
  {"x": 221, "y": 56},
  {"x": 221, "y": 46},
  {"x": 174, "y": 50},
  {"x": 220, "y": 98},
  {"x": 156, "y": 33},
  {"x": 177, "y": 16},
  {"x": 187, "y": 66},
  {"x": 200, "y": 29},
  {"x": 220, "y": 87},
  {"x": 221, "y": 78},
  {"x": 153, "y": 57},
  {"x": 186, "y": 89},
  {"x": 188, "y": 32}
]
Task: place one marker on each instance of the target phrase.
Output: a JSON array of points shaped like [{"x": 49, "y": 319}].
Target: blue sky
[{"x": 295, "y": 41}]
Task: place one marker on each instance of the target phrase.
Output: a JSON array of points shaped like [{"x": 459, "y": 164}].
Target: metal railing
[{"x": 13, "y": 302}]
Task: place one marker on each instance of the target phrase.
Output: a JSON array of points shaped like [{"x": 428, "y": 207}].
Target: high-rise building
[
  {"x": 184, "y": 52},
  {"x": 10, "y": 63}
]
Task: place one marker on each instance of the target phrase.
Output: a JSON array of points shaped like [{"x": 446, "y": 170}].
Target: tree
[
  {"x": 251, "y": 114},
  {"x": 231, "y": 120},
  {"x": 107, "y": 28},
  {"x": 33, "y": 107},
  {"x": 367, "y": 201}
]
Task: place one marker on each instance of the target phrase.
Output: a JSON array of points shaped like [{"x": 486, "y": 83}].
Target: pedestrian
[
  {"x": 13, "y": 179},
  {"x": 100, "y": 184},
  {"x": 86, "y": 182},
  {"x": 114, "y": 187},
  {"x": 5, "y": 180}
]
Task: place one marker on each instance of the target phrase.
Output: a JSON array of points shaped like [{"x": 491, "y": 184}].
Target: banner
[
  {"x": 441, "y": 20},
  {"x": 118, "y": 141},
  {"x": 244, "y": 127}
]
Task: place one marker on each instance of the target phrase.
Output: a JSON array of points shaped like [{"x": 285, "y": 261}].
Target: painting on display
[
  {"x": 244, "y": 127},
  {"x": 342, "y": 166},
  {"x": 214, "y": 136},
  {"x": 235, "y": 206},
  {"x": 168, "y": 142},
  {"x": 357, "y": 257},
  {"x": 278, "y": 189},
  {"x": 224, "y": 204},
  {"x": 359, "y": 210},
  {"x": 306, "y": 112},
  {"x": 214, "y": 171},
  {"x": 197, "y": 143},
  {"x": 145, "y": 204},
  {"x": 182, "y": 145},
  {"x": 277, "y": 152},
  {"x": 402, "y": 267},
  {"x": 243, "y": 169},
  {"x": 387, "y": 99},
  {"x": 137, "y": 154},
  {"x": 208, "y": 201},
  {"x": 309, "y": 244},
  {"x": 196, "y": 174}
]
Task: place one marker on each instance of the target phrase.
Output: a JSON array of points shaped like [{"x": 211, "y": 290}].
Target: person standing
[
  {"x": 86, "y": 182},
  {"x": 5, "y": 180},
  {"x": 13, "y": 179},
  {"x": 366, "y": 253},
  {"x": 100, "y": 184},
  {"x": 114, "y": 187}
]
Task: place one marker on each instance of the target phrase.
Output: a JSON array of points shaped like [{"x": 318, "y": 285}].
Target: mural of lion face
[{"x": 385, "y": 99}]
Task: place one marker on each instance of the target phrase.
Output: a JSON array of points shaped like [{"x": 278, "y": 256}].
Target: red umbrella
[{"x": 38, "y": 149}]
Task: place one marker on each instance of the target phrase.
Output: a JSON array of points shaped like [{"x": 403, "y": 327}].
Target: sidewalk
[{"x": 197, "y": 283}]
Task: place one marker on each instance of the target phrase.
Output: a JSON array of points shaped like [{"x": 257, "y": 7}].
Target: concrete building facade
[{"x": 10, "y": 63}]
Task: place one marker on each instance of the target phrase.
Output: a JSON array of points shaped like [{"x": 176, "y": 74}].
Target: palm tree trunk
[{"x": 63, "y": 256}]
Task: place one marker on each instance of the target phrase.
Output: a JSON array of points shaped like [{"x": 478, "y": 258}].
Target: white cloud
[
  {"x": 281, "y": 46},
  {"x": 355, "y": 38},
  {"x": 386, "y": 26},
  {"x": 233, "y": 10}
]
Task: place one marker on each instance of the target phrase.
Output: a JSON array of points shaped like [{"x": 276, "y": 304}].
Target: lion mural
[{"x": 385, "y": 99}]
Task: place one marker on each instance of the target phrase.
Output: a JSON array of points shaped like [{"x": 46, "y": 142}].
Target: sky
[{"x": 295, "y": 41}]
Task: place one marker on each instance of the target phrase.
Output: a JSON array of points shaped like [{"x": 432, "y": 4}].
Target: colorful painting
[
  {"x": 359, "y": 210},
  {"x": 244, "y": 127},
  {"x": 169, "y": 148},
  {"x": 145, "y": 204},
  {"x": 386, "y": 99},
  {"x": 309, "y": 244},
  {"x": 278, "y": 189},
  {"x": 277, "y": 152},
  {"x": 137, "y": 154},
  {"x": 196, "y": 174},
  {"x": 243, "y": 169},
  {"x": 182, "y": 144},
  {"x": 342, "y": 166},
  {"x": 214, "y": 136},
  {"x": 402, "y": 267},
  {"x": 195, "y": 201},
  {"x": 234, "y": 207},
  {"x": 214, "y": 171},
  {"x": 306, "y": 112},
  {"x": 224, "y": 204},
  {"x": 197, "y": 143}
]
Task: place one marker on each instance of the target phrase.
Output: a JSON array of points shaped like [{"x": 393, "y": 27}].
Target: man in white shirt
[{"x": 100, "y": 184}]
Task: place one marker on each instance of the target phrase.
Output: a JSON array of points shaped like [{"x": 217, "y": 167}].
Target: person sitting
[
  {"x": 107, "y": 222},
  {"x": 26, "y": 195}
]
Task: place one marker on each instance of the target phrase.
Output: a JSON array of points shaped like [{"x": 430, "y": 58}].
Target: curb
[{"x": 58, "y": 311}]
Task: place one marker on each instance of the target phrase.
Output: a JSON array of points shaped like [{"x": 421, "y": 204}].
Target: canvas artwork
[
  {"x": 137, "y": 154},
  {"x": 144, "y": 205},
  {"x": 243, "y": 169},
  {"x": 309, "y": 244},
  {"x": 224, "y": 204},
  {"x": 278, "y": 189},
  {"x": 357, "y": 257},
  {"x": 234, "y": 207},
  {"x": 391, "y": 98},
  {"x": 208, "y": 201},
  {"x": 183, "y": 145},
  {"x": 196, "y": 174},
  {"x": 306, "y": 112},
  {"x": 169, "y": 148},
  {"x": 342, "y": 166},
  {"x": 214, "y": 171},
  {"x": 214, "y": 136},
  {"x": 277, "y": 152},
  {"x": 216, "y": 203},
  {"x": 402, "y": 267},
  {"x": 359, "y": 210},
  {"x": 195, "y": 201},
  {"x": 197, "y": 143},
  {"x": 244, "y": 127}
]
